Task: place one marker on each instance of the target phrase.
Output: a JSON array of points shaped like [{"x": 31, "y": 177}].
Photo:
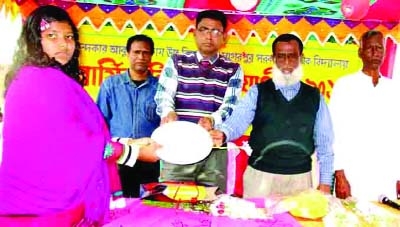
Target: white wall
[
  {"x": 11, "y": 27},
  {"x": 396, "y": 69}
]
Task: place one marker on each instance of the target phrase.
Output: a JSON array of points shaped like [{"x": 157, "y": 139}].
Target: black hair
[
  {"x": 368, "y": 34},
  {"x": 30, "y": 51},
  {"x": 287, "y": 38},
  {"x": 140, "y": 38},
  {"x": 212, "y": 14}
]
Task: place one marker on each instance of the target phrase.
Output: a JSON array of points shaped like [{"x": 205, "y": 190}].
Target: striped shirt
[{"x": 168, "y": 91}]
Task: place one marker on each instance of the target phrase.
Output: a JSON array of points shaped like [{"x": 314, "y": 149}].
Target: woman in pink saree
[{"x": 53, "y": 171}]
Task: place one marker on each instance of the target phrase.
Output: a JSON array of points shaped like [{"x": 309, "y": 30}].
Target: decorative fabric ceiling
[{"x": 304, "y": 17}]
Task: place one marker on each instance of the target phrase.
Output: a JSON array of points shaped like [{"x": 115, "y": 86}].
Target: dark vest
[{"x": 282, "y": 134}]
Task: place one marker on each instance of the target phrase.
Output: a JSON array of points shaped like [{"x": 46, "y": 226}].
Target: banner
[{"x": 104, "y": 54}]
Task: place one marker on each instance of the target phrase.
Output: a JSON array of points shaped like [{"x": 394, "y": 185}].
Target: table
[{"x": 137, "y": 214}]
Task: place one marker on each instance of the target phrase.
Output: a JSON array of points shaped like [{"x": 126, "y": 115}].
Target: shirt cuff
[
  {"x": 217, "y": 119},
  {"x": 129, "y": 156},
  {"x": 326, "y": 178},
  {"x": 227, "y": 131}
]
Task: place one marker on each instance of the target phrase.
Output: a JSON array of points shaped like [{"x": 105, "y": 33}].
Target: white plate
[{"x": 182, "y": 142}]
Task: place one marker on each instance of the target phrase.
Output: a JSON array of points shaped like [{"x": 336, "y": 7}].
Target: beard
[{"x": 286, "y": 79}]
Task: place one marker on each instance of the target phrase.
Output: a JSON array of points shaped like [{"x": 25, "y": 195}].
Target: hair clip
[{"x": 44, "y": 25}]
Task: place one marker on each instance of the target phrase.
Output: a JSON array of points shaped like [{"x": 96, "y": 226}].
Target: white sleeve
[{"x": 130, "y": 154}]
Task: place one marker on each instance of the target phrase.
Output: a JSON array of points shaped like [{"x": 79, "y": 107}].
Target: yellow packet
[
  {"x": 311, "y": 204},
  {"x": 183, "y": 192}
]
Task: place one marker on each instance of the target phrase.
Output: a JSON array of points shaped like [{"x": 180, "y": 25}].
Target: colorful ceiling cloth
[{"x": 161, "y": 15}]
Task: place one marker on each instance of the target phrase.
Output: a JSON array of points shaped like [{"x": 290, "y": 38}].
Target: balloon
[
  {"x": 209, "y": 4},
  {"x": 244, "y": 5},
  {"x": 354, "y": 9}
]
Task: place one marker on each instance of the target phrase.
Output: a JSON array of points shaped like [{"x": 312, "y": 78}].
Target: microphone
[{"x": 385, "y": 200}]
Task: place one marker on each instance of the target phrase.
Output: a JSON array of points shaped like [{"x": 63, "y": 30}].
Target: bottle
[{"x": 398, "y": 189}]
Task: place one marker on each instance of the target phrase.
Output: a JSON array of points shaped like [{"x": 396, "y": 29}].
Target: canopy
[{"x": 321, "y": 19}]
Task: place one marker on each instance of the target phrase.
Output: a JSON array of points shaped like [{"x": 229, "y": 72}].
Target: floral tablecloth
[{"x": 138, "y": 214}]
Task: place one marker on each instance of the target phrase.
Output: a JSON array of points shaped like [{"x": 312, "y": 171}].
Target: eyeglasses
[{"x": 213, "y": 31}]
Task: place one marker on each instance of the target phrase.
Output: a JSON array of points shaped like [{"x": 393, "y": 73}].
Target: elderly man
[
  {"x": 290, "y": 121},
  {"x": 366, "y": 123}
]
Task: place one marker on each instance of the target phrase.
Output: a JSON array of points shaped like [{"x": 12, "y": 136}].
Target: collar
[
  {"x": 295, "y": 86},
  {"x": 212, "y": 59},
  {"x": 126, "y": 78},
  {"x": 380, "y": 74}
]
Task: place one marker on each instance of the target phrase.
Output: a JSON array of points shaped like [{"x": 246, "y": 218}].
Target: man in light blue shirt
[
  {"x": 290, "y": 121},
  {"x": 127, "y": 103}
]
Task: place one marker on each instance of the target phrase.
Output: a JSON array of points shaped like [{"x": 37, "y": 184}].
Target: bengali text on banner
[{"x": 104, "y": 54}]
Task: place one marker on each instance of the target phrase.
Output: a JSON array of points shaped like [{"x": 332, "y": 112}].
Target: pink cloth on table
[
  {"x": 53, "y": 142},
  {"x": 138, "y": 214}
]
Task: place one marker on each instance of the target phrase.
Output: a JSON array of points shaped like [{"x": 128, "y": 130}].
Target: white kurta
[{"x": 366, "y": 122}]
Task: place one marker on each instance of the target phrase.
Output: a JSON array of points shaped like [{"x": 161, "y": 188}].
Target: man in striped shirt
[{"x": 200, "y": 87}]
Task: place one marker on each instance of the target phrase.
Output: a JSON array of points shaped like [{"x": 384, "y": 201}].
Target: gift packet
[
  {"x": 177, "y": 192},
  {"x": 310, "y": 204}
]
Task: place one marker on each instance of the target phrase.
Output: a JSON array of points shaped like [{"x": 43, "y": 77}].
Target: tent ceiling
[
  {"x": 160, "y": 14},
  {"x": 385, "y": 10}
]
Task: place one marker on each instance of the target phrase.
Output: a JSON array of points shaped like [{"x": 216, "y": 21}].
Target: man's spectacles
[{"x": 213, "y": 31}]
